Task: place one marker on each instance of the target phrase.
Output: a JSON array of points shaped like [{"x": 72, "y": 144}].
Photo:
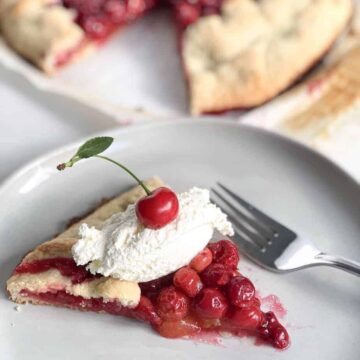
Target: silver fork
[{"x": 271, "y": 244}]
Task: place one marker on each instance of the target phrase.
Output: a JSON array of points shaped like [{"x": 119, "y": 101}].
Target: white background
[{"x": 33, "y": 122}]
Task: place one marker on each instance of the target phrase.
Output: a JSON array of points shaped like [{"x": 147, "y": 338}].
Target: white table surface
[{"x": 33, "y": 122}]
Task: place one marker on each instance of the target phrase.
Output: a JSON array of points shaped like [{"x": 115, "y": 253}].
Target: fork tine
[
  {"x": 266, "y": 234},
  {"x": 252, "y": 236},
  {"x": 247, "y": 248},
  {"x": 253, "y": 210}
]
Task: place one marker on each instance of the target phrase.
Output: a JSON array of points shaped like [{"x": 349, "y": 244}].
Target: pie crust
[
  {"x": 253, "y": 50},
  {"x": 42, "y": 31},
  {"x": 240, "y": 58},
  {"x": 127, "y": 293},
  {"x": 207, "y": 295}
]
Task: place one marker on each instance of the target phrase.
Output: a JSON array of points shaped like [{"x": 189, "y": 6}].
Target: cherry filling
[
  {"x": 66, "y": 266},
  {"x": 144, "y": 311},
  {"x": 64, "y": 57},
  {"x": 208, "y": 295},
  {"x": 188, "y": 11},
  {"x": 211, "y": 295},
  {"x": 100, "y": 18}
]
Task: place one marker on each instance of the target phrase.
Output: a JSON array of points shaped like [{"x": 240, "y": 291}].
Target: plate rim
[
  {"x": 29, "y": 165},
  {"x": 118, "y": 131}
]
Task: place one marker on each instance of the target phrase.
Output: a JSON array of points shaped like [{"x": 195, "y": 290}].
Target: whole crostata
[{"x": 235, "y": 53}]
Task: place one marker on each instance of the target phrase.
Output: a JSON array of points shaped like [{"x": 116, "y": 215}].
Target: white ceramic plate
[{"x": 295, "y": 185}]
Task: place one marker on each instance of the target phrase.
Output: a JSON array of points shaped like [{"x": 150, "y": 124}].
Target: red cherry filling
[
  {"x": 271, "y": 330},
  {"x": 183, "y": 303},
  {"x": 66, "y": 266},
  {"x": 215, "y": 275},
  {"x": 100, "y": 18},
  {"x": 177, "y": 329},
  {"x": 172, "y": 304},
  {"x": 188, "y": 11},
  {"x": 241, "y": 291},
  {"x": 248, "y": 318},
  {"x": 188, "y": 281},
  {"x": 158, "y": 209},
  {"x": 225, "y": 252},
  {"x": 144, "y": 311},
  {"x": 211, "y": 304},
  {"x": 202, "y": 260}
]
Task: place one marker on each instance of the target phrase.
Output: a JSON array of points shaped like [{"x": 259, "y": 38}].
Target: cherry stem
[{"x": 146, "y": 189}]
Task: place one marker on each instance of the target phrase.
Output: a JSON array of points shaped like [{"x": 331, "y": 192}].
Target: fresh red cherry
[{"x": 158, "y": 209}]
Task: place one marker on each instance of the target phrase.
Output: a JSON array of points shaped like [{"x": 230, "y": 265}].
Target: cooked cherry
[
  {"x": 150, "y": 286},
  {"x": 211, "y": 303},
  {"x": 188, "y": 281},
  {"x": 96, "y": 27},
  {"x": 270, "y": 319},
  {"x": 225, "y": 252},
  {"x": 135, "y": 8},
  {"x": 280, "y": 337},
  {"x": 116, "y": 10},
  {"x": 172, "y": 304},
  {"x": 89, "y": 7},
  {"x": 234, "y": 273},
  {"x": 241, "y": 291},
  {"x": 248, "y": 318},
  {"x": 202, "y": 260},
  {"x": 215, "y": 275},
  {"x": 256, "y": 302},
  {"x": 187, "y": 13},
  {"x": 271, "y": 330}
]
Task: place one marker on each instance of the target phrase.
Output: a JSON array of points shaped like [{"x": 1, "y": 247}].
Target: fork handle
[{"x": 340, "y": 262}]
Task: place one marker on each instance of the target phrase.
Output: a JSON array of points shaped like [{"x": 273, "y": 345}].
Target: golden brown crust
[
  {"x": 126, "y": 292},
  {"x": 60, "y": 246},
  {"x": 42, "y": 31},
  {"x": 253, "y": 50}
]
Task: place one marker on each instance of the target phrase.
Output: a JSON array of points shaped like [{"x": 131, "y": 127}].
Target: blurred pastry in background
[
  {"x": 322, "y": 111},
  {"x": 235, "y": 53}
]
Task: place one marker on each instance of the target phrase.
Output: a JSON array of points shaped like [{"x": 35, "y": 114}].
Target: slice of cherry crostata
[
  {"x": 235, "y": 53},
  {"x": 207, "y": 294}
]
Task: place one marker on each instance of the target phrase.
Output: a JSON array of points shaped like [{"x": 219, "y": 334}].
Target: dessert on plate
[
  {"x": 147, "y": 254},
  {"x": 235, "y": 53}
]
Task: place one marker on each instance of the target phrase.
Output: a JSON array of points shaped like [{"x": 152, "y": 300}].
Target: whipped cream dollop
[{"x": 126, "y": 250}]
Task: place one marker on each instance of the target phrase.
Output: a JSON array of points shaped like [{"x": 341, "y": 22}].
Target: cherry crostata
[
  {"x": 235, "y": 53},
  {"x": 207, "y": 295}
]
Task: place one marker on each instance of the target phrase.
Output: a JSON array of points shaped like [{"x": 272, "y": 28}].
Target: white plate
[{"x": 295, "y": 185}]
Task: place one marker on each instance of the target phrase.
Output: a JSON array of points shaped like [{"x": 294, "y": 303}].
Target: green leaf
[{"x": 94, "y": 147}]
